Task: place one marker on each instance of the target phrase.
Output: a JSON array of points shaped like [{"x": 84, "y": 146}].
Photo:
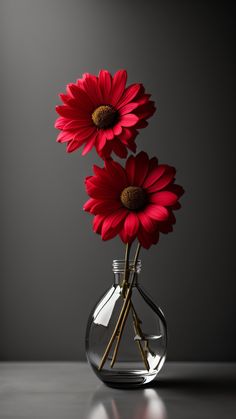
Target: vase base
[{"x": 125, "y": 379}]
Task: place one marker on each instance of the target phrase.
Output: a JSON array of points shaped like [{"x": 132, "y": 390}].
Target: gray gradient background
[{"x": 53, "y": 267}]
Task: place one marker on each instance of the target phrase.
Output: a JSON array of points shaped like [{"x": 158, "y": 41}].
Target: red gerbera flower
[
  {"x": 135, "y": 202},
  {"x": 101, "y": 112}
]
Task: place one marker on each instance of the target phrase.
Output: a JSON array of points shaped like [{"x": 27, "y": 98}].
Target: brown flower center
[
  {"x": 104, "y": 116},
  {"x": 133, "y": 197}
]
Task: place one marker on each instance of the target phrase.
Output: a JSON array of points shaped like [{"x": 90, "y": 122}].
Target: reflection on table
[{"x": 126, "y": 404}]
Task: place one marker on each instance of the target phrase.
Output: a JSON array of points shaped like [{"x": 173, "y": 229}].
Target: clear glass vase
[{"x": 126, "y": 334}]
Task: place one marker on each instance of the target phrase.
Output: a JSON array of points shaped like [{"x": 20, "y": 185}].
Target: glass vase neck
[{"x": 118, "y": 267}]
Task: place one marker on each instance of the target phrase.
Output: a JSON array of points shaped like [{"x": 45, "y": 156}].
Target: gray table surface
[{"x": 71, "y": 390}]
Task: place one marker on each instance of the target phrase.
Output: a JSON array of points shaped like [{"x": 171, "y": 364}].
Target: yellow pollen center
[
  {"x": 104, "y": 116},
  {"x": 133, "y": 197}
]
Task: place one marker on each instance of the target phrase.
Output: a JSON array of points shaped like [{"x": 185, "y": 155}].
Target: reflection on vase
[{"x": 139, "y": 404}]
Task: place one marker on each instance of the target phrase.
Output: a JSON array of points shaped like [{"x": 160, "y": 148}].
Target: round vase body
[{"x": 138, "y": 349}]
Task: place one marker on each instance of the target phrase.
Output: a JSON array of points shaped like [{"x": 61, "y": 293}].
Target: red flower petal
[
  {"x": 123, "y": 235},
  {"x": 82, "y": 137},
  {"x": 117, "y": 174},
  {"x": 141, "y": 168},
  {"x": 117, "y": 218},
  {"x": 131, "y": 225},
  {"x": 72, "y": 103},
  {"x": 60, "y": 122},
  {"x": 89, "y": 204},
  {"x": 105, "y": 84},
  {"x": 141, "y": 124},
  {"x": 64, "y": 137},
  {"x": 130, "y": 169},
  {"x": 155, "y": 236},
  {"x": 128, "y": 120},
  {"x": 132, "y": 146},
  {"x": 101, "y": 140},
  {"x": 105, "y": 152},
  {"x": 119, "y": 148},
  {"x": 89, "y": 145},
  {"x": 157, "y": 212},
  {"x": 109, "y": 133},
  {"x": 90, "y": 85},
  {"x": 81, "y": 97},
  {"x": 154, "y": 174},
  {"x": 167, "y": 226},
  {"x": 103, "y": 177},
  {"x": 118, "y": 86},
  {"x": 97, "y": 223},
  {"x": 143, "y": 98},
  {"x": 117, "y": 129},
  {"x": 147, "y": 239},
  {"x": 107, "y": 233},
  {"x": 77, "y": 124},
  {"x": 164, "y": 198},
  {"x": 148, "y": 223},
  {"x": 153, "y": 162},
  {"x": 127, "y": 108},
  {"x": 144, "y": 238},
  {"x": 112, "y": 224},
  {"x": 105, "y": 207},
  {"x": 100, "y": 193},
  {"x": 103, "y": 184},
  {"x": 163, "y": 181},
  {"x": 67, "y": 112},
  {"x": 129, "y": 94},
  {"x": 127, "y": 135},
  {"x": 98, "y": 170},
  {"x": 146, "y": 110},
  {"x": 72, "y": 146},
  {"x": 65, "y": 99},
  {"x": 176, "y": 189}
]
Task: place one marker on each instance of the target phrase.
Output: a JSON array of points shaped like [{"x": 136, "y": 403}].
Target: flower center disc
[
  {"x": 133, "y": 197},
  {"x": 104, "y": 116}
]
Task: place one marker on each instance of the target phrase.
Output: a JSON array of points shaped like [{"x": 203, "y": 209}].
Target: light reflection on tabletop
[{"x": 126, "y": 404}]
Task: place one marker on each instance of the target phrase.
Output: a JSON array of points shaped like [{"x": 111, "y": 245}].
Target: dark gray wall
[{"x": 53, "y": 267}]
